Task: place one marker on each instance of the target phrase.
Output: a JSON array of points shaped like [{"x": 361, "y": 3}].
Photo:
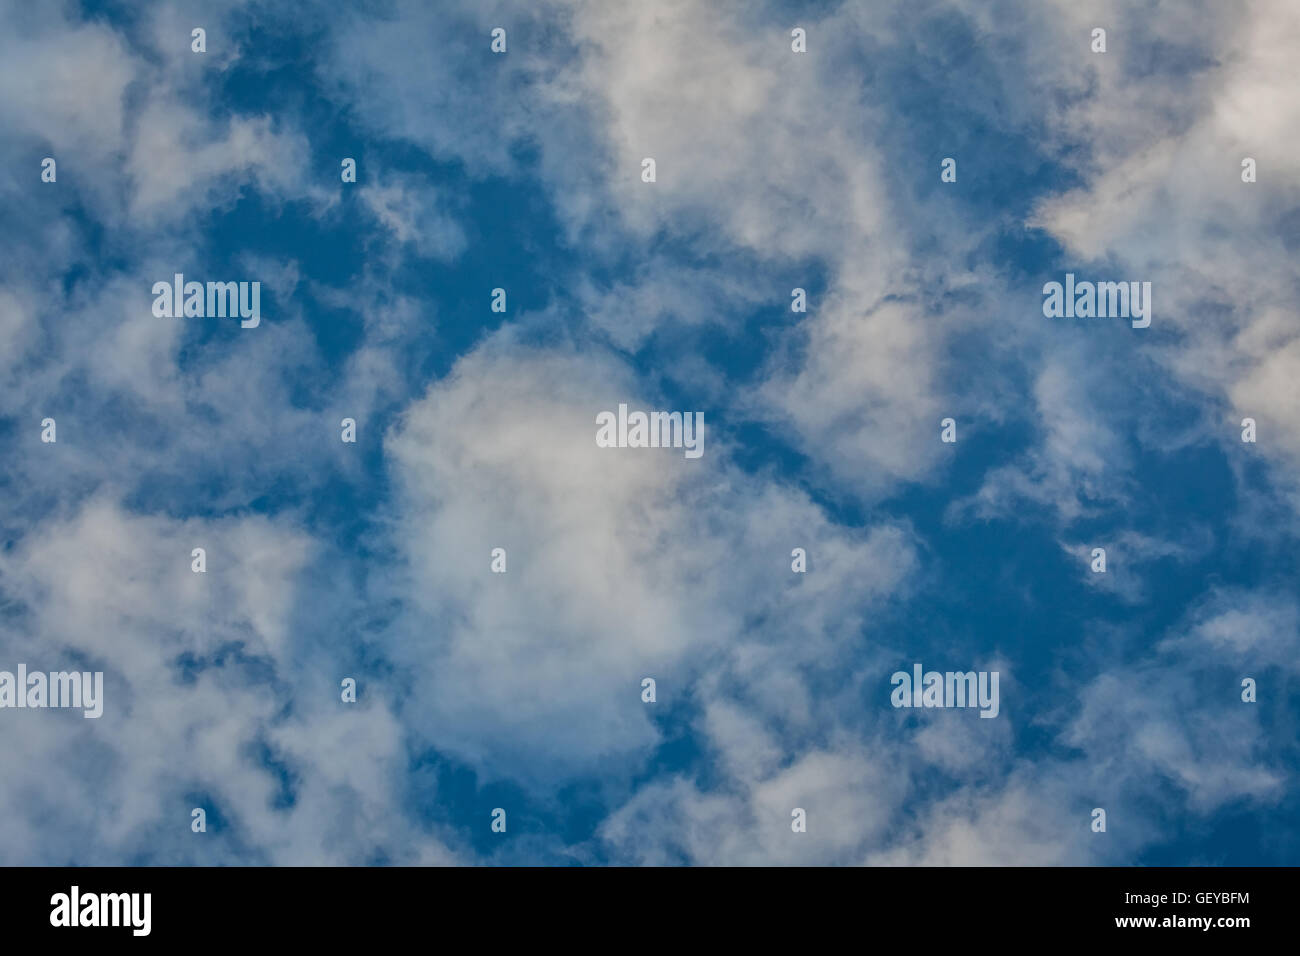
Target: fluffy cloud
[
  {"x": 621, "y": 564},
  {"x": 1163, "y": 199},
  {"x": 209, "y": 694}
]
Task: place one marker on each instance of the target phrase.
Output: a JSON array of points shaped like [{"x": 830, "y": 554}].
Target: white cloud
[
  {"x": 112, "y": 591},
  {"x": 1163, "y": 197},
  {"x": 623, "y": 563}
]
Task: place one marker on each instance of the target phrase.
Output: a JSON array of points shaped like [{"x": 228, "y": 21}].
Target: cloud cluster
[{"x": 774, "y": 170}]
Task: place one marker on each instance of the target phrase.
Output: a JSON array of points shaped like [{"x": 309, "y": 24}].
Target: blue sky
[{"x": 475, "y": 430}]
